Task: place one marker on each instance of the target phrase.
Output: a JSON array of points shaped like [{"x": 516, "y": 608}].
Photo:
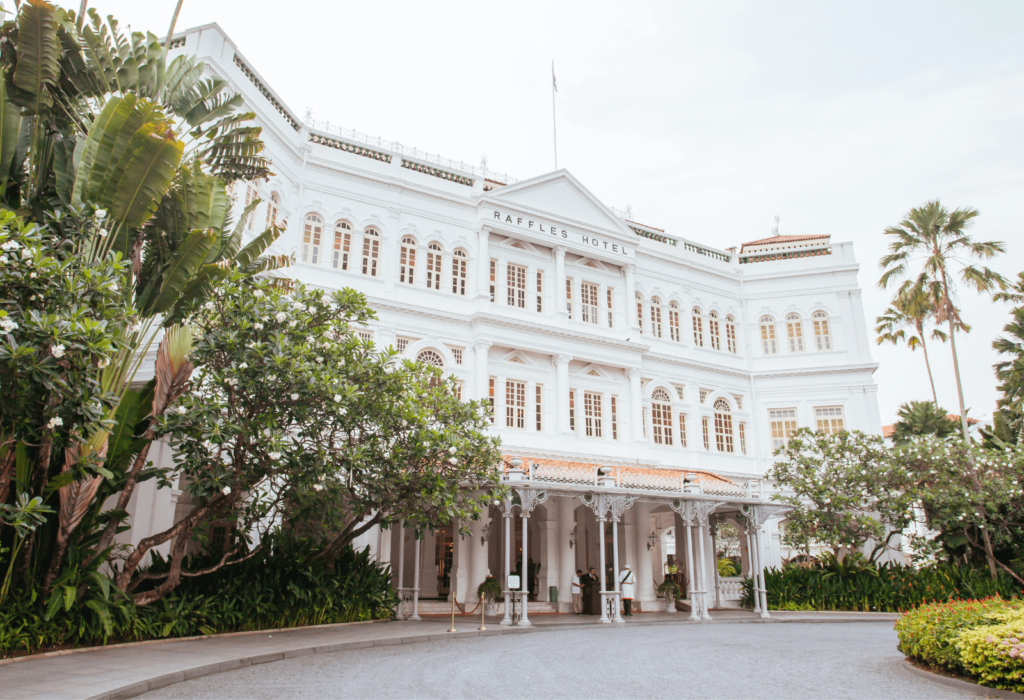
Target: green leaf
[
  {"x": 256, "y": 246},
  {"x": 156, "y": 154},
  {"x": 125, "y": 418},
  {"x": 70, "y": 593},
  {"x": 37, "y": 69},
  {"x": 23, "y": 467},
  {"x": 197, "y": 291},
  {"x": 104, "y": 615},
  {"x": 10, "y": 127},
  {"x": 182, "y": 269}
]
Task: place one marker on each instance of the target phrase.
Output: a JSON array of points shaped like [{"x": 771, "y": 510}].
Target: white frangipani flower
[
  {"x": 244, "y": 365},
  {"x": 258, "y": 326},
  {"x": 181, "y": 410},
  {"x": 258, "y": 293},
  {"x": 226, "y": 490},
  {"x": 54, "y": 422},
  {"x": 295, "y": 397},
  {"x": 337, "y": 398},
  {"x": 281, "y": 316},
  {"x": 274, "y": 456},
  {"x": 58, "y": 350}
]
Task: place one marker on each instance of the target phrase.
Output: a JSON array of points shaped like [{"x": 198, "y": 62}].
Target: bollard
[
  {"x": 483, "y": 621},
  {"x": 452, "y": 628}
]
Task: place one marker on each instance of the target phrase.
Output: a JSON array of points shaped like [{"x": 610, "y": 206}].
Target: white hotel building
[{"x": 602, "y": 343}]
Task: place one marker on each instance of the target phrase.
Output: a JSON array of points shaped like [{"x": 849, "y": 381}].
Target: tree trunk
[
  {"x": 989, "y": 554},
  {"x": 959, "y": 385},
  {"x": 928, "y": 365},
  {"x": 170, "y": 31},
  {"x": 107, "y": 538}
]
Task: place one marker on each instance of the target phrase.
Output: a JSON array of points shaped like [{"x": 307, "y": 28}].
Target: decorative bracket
[
  {"x": 694, "y": 512},
  {"x": 530, "y": 499},
  {"x": 757, "y": 515},
  {"x": 603, "y": 503}
]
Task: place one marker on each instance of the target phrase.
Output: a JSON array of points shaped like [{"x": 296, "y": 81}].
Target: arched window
[
  {"x": 407, "y": 261},
  {"x": 311, "y": 239},
  {"x": 673, "y": 321},
  {"x": 795, "y": 332},
  {"x": 640, "y": 311},
  {"x": 656, "y": 317},
  {"x": 730, "y": 334},
  {"x": 459, "y": 267},
  {"x": 698, "y": 328},
  {"x": 434, "y": 256},
  {"x": 723, "y": 426},
  {"x": 768, "y": 341},
  {"x": 714, "y": 331},
  {"x": 272, "y": 209},
  {"x": 371, "y": 252},
  {"x": 251, "y": 193},
  {"x": 430, "y": 357},
  {"x": 822, "y": 335},
  {"x": 661, "y": 417},
  {"x": 342, "y": 245}
]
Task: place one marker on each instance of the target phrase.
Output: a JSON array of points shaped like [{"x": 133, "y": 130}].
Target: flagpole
[{"x": 554, "y": 119}]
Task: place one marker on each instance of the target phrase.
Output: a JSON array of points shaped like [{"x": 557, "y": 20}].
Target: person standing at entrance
[
  {"x": 577, "y": 592},
  {"x": 591, "y": 593},
  {"x": 626, "y": 580}
]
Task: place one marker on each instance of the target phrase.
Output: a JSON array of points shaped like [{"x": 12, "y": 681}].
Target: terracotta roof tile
[
  {"x": 782, "y": 239},
  {"x": 584, "y": 470}
]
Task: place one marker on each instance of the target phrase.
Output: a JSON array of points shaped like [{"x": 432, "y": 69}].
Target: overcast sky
[{"x": 707, "y": 118}]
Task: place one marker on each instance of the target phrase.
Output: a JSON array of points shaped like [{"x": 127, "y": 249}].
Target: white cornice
[{"x": 869, "y": 367}]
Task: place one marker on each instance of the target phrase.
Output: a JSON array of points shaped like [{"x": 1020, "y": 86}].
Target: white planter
[{"x": 670, "y": 605}]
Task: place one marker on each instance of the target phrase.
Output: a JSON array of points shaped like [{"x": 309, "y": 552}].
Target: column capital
[
  {"x": 629, "y": 268},
  {"x": 559, "y": 360},
  {"x": 481, "y": 345},
  {"x": 633, "y": 372},
  {"x": 560, "y": 251},
  {"x": 484, "y": 231}
]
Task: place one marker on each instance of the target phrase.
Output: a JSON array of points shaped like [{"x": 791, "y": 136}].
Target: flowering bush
[
  {"x": 929, "y": 633},
  {"x": 992, "y": 653}
]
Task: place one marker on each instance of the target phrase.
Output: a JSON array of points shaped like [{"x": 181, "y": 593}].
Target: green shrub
[
  {"x": 992, "y": 653},
  {"x": 929, "y": 633},
  {"x": 887, "y": 588},
  {"x": 284, "y": 585},
  {"x": 490, "y": 588}
]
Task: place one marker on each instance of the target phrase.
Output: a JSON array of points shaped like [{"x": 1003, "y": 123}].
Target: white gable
[{"x": 562, "y": 197}]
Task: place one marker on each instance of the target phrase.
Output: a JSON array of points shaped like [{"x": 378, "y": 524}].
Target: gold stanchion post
[
  {"x": 452, "y": 628},
  {"x": 483, "y": 622}
]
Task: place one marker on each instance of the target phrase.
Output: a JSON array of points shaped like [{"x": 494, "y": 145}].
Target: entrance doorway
[{"x": 444, "y": 551}]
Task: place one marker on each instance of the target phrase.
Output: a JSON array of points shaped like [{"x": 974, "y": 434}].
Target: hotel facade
[{"x": 639, "y": 381}]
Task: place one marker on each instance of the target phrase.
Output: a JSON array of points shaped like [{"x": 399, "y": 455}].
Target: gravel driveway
[{"x": 777, "y": 661}]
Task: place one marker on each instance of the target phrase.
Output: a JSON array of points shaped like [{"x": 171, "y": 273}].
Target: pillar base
[{"x": 524, "y": 623}]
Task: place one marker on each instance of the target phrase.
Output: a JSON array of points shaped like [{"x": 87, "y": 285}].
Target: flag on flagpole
[{"x": 554, "y": 82}]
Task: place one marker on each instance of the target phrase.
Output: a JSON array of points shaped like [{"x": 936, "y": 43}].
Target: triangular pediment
[
  {"x": 594, "y": 371},
  {"x": 517, "y": 358},
  {"x": 561, "y": 197}
]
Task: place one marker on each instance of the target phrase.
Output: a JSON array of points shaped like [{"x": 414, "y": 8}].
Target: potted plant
[
  {"x": 670, "y": 589},
  {"x": 490, "y": 590}
]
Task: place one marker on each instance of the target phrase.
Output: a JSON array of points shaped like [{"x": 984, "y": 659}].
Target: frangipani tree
[{"x": 292, "y": 421}]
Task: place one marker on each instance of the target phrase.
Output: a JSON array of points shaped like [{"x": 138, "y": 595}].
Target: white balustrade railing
[
  {"x": 669, "y": 481},
  {"x": 413, "y": 153},
  {"x": 731, "y": 587},
  {"x": 563, "y": 474}
]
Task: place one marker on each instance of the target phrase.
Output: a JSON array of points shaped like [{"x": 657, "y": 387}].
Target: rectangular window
[
  {"x": 829, "y": 419},
  {"x": 572, "y": 411},
  {"x": 517, "y": 286},
  {"x": 515, "y": 404},
  {"x": 538, "y": 407},
  {"x": 434, "y": 260},
  {"x": 661, "y": 421},
  {"x": 540, "y": 291},
  {"x": 401, "y": 344},
  {"x": 458, "y": 390},
  {"x": 615, "y": 417},
  {"x": 611, "y": 307},
  {"x": 592, "y": 413},
  {"x": 707, "y": 437},
  {"x": 460, "y": 267},
  {"x": 588, "y": 301},
  {"x": 739, "y": 401},
  {"x": 494, "y": 277},
  {"x": 457, "y": 354},
  {"x": 371, "y": 252},
  {"x": 723, "y": 431},
  {"x": 568, "y": 296},
  {"x": 342, "y": 248},
  {"x": 364, "y": 334},
  {"x": 703, "y": 395},
  {"x": 250, "y": 194},
  {"x": 490, "y": 397},
  {"x": 743, "y": 438},
  {"x": 783, "y": 424},
  {"x": 681, "y": 393},
  {"x": 682, "y": 430}
]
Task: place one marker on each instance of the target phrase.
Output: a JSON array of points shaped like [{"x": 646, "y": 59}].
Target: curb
[
  {"x": 958, "y": 684},
  {"x": 165, "y": 640},
  {"x": 141, "y": 687}
]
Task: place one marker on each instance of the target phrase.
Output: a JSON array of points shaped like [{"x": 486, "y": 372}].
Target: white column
[
  {"x": 566, "y": 555},
  {"x": 501, "y": 283},
  {"x": 549, "y": 561},
  {"x": 531, "y": 405},
  {"x": 419, "y": 277},
  {"x": 416, "y": 579},
  {"x": 752, "y": 566},
  {"x": 629, "y": 533},
  {"x": 507, "y": 527},
  {"x": 401, "y": 566},
  {"x": 480, "y": 348},
  {"x": 629, "y": 307},
  {"x": 617, "y": 616},
  {"x": 704, "y": 615},
  {"x": 559, "y": 305},
  {"x": 460, "y": 573},
  {"x": 483, "y": 263},
  {"x": 602, "y": 576},
  {"x": 446, "y": 272},
  {"x": 561, "y": 363},
  {"x": 760, "y": 571},
  {"x": 636, "y": 416},
  {"x": 524, "y": 582},
  {"x": 694, "y": 614},
  {"x": 646, "y": 593},
  {"x": 577, "y": 307},
  {"x": 499, "y": 402},
  {"x": 606, "y": 416},
  {"x": 531, "y": 288},
  {"x": 713, "y": 526},
  {"x": 475, "y": 552}
]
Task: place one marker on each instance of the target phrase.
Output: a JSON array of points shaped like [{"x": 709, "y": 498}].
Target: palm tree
[
  {"x": 934, "y": 241},
  {"x": 910, "y": 309},
  {"x": 1010, "y": 372},
  {"x": 922, "y": 418}
]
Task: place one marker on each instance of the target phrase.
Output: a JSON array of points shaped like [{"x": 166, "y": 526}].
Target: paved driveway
[{"x": 794, "y": 660}]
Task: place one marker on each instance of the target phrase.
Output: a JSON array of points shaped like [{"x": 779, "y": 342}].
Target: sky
[{"x": 708, "y": 119}]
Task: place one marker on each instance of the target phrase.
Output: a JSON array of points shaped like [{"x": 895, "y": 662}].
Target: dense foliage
[
  {"x": 977, "y": 638},
  {"x": 284, "y": 585},
  {"x": 852, "y": 585}
]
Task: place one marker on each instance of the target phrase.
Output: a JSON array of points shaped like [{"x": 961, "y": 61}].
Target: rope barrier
[{"x": 462, "y": 607}]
